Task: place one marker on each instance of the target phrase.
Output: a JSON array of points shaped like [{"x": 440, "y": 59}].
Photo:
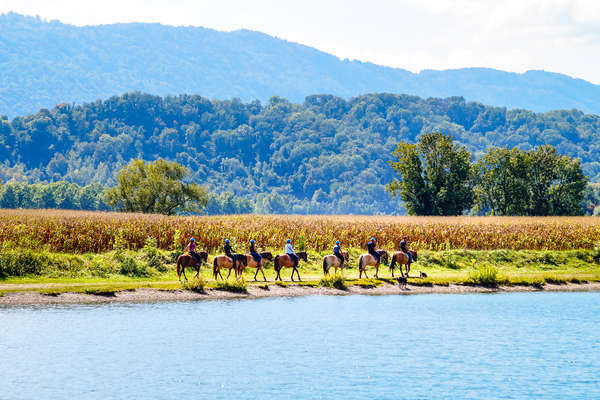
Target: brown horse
[
  {"x": 331, "y": 260},
  {"x": 401, "y": 258},
  {"x": 251, "y": 263},
  {"x": 283, "y": 260},
  {"x": 223, "y": 261},
  {"x": 367, "y": 259},
  {"x": 186, "y": 260}
]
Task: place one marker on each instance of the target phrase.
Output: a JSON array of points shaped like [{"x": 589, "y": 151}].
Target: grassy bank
[{"x": 22, "y": 269}]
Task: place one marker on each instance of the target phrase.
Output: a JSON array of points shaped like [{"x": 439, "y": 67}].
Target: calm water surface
[{"x": 518, "y": 346}]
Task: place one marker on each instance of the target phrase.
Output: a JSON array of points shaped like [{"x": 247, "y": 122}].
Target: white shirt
[{"x": 289, "y": 249}]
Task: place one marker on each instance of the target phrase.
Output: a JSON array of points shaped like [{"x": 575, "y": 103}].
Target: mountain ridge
[{"x": 43, "y": 63}]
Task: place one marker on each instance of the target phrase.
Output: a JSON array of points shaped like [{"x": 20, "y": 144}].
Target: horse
[
  {"x": 251, "y": 263},
  {"x": 223, "y": 261},
  {"x": 331, "y": 260},
  {"x": 284, "y": 260},
  {"x": 187, "y": 260},
  {"x": 367, "y": 259},
  {"x": 401, "y": 258}
]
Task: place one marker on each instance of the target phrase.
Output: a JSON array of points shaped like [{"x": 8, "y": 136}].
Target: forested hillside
[
  {"x": 46, "y": 63},
  {"x": 325, "y": 155}
]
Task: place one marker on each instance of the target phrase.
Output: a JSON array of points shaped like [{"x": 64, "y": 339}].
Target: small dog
[
  {"x": 402, "y": 281},
  {"x": 422, "y": 274}
]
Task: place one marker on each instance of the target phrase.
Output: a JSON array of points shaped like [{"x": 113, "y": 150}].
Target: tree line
[
  {"x": 439, "y": 177},
  {"x": 326, "y": 155}
]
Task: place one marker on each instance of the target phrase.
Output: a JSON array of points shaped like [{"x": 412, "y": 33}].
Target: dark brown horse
[
  {"x": 283, "y": 260},
  {"x": 401, "y": 258},
  {"x": 186, "y": 260},
  {"x": 251, "y": 263},
  {"x": 367, "y": 259},
  {"x": 331, "y": 260},
  {"x": 223, "y": 261}
]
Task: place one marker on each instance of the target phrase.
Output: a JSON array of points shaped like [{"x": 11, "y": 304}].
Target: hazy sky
[{"x": 514, "y": 35}]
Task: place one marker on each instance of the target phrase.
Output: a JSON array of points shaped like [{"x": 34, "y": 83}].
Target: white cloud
[{"x": 515, "y": 35}]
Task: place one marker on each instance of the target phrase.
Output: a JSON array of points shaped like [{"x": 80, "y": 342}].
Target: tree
[
  {"x": 435, "y": 176},
  {"x": 502, "y": 182},
  {"x": 155, "y": 187},
  {"x": 535, "y": 182}
]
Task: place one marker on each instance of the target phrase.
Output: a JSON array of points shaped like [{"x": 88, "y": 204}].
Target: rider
[
  {"x": 257, "y": 257},
  {"x": 229, "y": 252},
  {"x": 337, "y": 251},
  {"x": 289, "y": 250},
  {"x": 191, "y": 249},
  {"x": 405, "y": 249},
  {"x": 371, "y": 248}
]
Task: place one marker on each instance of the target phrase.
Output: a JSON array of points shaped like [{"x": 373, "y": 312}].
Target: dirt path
[{"x": 153, "y": 295}]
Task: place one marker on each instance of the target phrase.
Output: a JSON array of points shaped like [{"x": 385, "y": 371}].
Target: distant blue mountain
[{"x": 45, "y": 63}]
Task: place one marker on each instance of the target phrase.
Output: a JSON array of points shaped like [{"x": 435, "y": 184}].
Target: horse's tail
[
  {"x": 178, "y": 266},
  {"x": 215, "y": 268},
  {"x": 393, "y": 262},
  {"x": 360, "y": 263},
  {"x": 324, "y": 265},
  {"x": 276, "y": 263}
]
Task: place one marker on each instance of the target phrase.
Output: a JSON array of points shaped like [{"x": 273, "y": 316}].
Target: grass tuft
[
  {"x": 232, "y": 286},
  {"x": 196, "y": 285},
  {"x": 333, "y": 281},
  {"x": 484, "y": 275}
]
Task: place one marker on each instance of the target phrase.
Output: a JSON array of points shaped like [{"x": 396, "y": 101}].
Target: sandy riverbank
[{"x": 152, "y": 295}]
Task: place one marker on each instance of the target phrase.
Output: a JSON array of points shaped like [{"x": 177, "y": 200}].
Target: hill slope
[
  {"x": 45, "y": 63},
  {"x": 327, "y": 155}
]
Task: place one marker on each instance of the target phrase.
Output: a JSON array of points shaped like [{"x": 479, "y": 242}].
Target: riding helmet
[
  {"x": 337, "y": 242},
  {"x": 373, "y": 240},
  {"x": 226, "y": 240},
  {"x": 192, "y": 239},
  {"x": 288, "y": 241},
  {"x": 251, "y": 240}
]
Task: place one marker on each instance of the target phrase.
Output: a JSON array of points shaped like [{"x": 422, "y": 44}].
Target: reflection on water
[{"x": 519, "y": 345}]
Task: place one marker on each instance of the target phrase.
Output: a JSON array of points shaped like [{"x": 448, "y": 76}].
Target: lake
[{"x": 510, "y": 345}]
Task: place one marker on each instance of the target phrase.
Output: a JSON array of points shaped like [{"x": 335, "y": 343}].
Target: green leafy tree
[
  {"x": 155, "y": 187},
  {"x": 435, "y": 176}
]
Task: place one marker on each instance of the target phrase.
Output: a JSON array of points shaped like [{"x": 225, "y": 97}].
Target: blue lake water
[{"x": 513, "y": 346}]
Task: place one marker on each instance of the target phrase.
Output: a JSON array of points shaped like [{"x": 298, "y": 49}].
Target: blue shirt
[
  {"x": 336, "y": 249},
  {"x": 289, "y": 249}
]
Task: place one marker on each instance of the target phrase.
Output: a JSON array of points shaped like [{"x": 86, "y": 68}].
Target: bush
[
  {"x": 333, "y": 281},
  {"x": 130, "y": 267},
  {"x": 484, "y": 275},
  {"x": 23, "y": 262},
  {"x": 152, "y": 255},
  {"x": 596, "y": 253}
]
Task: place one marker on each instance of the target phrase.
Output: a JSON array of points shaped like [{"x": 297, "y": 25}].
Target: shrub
[
  {"x": 152, "y": 254},
  {"x": 484, "y": 275},
  {"x": 130, "y": 267},
  {"x": 596, "y": 253}
]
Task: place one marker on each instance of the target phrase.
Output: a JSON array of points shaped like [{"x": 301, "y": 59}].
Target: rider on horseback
[
  {"x": 289, "y": 250},
  {"x": 371, "y": 248},
  {"x": 405, "y": 250},
  {"x": 191, "y": 249},
  {"x": 337, "y": 251},
  {"x": 257, "y": 257},
  {"x": 229, "y": 252}
]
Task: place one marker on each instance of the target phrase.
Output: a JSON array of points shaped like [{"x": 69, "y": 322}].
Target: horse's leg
[
  {"x": 256, "y": 273},
  {"x": 377, "y": 271},
  {"x": 392, "y": 268},
  {"x": 293, "y": 274},
  {"x": 263, "y": 274},
  {"x": 229, "y": 274},
  {"x": 298, "y": 273},
  {"x": 219, "y": 272},
  {"x": 197, "y": 271},
  {"x": 183, "y": 271}
]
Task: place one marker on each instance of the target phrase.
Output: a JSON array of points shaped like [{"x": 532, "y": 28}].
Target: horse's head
[
  {"x": 302, "y": 255},
  {"x": 384, "y": 256},
  {"x": 203, "y": 256},
  {"x": 267, "y": 255},
  {"x": 414, "y": 255},
  {"x": 346, "y": 256}
]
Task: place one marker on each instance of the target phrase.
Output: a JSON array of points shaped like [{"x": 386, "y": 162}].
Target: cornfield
[{"x": 81, "y": 232}]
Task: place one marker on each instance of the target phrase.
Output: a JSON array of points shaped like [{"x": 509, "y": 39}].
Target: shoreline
[{"x": 254, "y": 292}]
